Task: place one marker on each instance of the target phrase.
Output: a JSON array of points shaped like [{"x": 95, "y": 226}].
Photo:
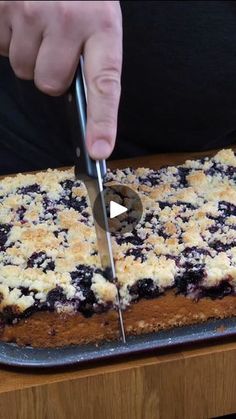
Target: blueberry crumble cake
[{"x": 176, "y": 267}]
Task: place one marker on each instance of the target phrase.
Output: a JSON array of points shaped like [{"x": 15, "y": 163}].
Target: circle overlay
[{"x": 124, "y": 196}]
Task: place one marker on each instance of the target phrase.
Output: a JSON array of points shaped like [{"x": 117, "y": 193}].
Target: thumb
[{"x": 102, "y": 68}]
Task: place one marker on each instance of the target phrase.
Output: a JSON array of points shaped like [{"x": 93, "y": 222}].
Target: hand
[{"x": 44, "y": 40}]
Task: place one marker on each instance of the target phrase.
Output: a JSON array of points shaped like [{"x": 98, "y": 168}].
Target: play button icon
[
  {"x": 123, "y": 206},
  {"x": 116, "y": 209}
]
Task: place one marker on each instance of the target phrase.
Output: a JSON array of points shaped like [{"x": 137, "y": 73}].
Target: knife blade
[{"x": 92, "y": 172}]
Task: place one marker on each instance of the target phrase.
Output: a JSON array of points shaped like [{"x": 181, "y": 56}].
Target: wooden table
[{"x": 193, "y": 382}]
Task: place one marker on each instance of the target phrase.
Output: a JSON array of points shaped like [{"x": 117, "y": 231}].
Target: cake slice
[
  {"x": 178, "y": 266},
  {"x": 53, "y": 290}
]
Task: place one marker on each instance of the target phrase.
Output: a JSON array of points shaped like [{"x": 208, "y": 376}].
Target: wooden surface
[{"x": 194, "y": 382}]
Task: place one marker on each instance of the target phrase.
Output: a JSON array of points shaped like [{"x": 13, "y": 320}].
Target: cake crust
[
  {"x": 173, "y": 310},
  {"x": 50, "y": 329},
  {"x": 55, "y": 330}
]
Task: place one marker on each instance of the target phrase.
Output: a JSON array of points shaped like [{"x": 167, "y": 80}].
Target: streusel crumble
[{"x": 177, "y": 266}]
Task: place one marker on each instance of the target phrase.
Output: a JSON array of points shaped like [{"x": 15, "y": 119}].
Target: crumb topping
[{"x": 186, "y": 238}]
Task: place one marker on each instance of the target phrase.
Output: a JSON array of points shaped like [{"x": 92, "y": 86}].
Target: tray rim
[{"x": 136, "y": 345}]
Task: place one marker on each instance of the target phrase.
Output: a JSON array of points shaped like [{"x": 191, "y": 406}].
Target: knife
[{"x": 92, "y": 172}]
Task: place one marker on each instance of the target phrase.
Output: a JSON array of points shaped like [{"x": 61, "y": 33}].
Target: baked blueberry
[
  {"x": 144, "y": 288},
  {"x": 189, "y": 277},
  {"x": 86, "y": 306},
  {"x": 221, "y": 247},
  {"x": 132, "y": 239},
  {"x": 20, "y": 213},
  {"x": 227, "y": 208},
  {"x": 67, "y": 184},
  {"x": 35, "y": 188},
  {"x": 183, "y": 172},
  {"x": 4, "y": 231},
  {"x": 220, "y": 291},
  {"x": 82, "y": 275},
  {"x": 37, "y": 260},
  {"x": 54, "y": 296}
]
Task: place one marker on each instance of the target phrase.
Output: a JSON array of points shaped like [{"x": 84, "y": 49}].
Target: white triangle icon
[{"x": 116, "y": 209}]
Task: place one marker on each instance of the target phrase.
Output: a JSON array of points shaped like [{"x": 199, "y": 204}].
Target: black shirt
[{"x": 178, "y": 89}]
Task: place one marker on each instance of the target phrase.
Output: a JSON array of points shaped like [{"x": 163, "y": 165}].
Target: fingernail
[{"x": 101, "y": 149}]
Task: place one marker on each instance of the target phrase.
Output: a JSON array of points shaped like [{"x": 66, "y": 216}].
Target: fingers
[
  {"x": 23, "y": 51},
  {"x": 102, "y": 66},
  {"x": 5, "y": 39},
  {"x": 60, "y": 50},
  {"x": 56, "y": 63},
  {"x": 5, "y": 30},
  {"x": 44, "y": 41}
]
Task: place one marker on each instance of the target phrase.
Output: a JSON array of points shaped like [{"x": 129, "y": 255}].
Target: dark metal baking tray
[{"x": 13, "y": 355}]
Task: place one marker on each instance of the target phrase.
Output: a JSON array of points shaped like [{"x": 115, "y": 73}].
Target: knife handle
[{"x": 77, "y": 103}]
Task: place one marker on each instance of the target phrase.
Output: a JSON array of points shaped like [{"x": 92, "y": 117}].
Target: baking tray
[{"x": 13, "y": 355}]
